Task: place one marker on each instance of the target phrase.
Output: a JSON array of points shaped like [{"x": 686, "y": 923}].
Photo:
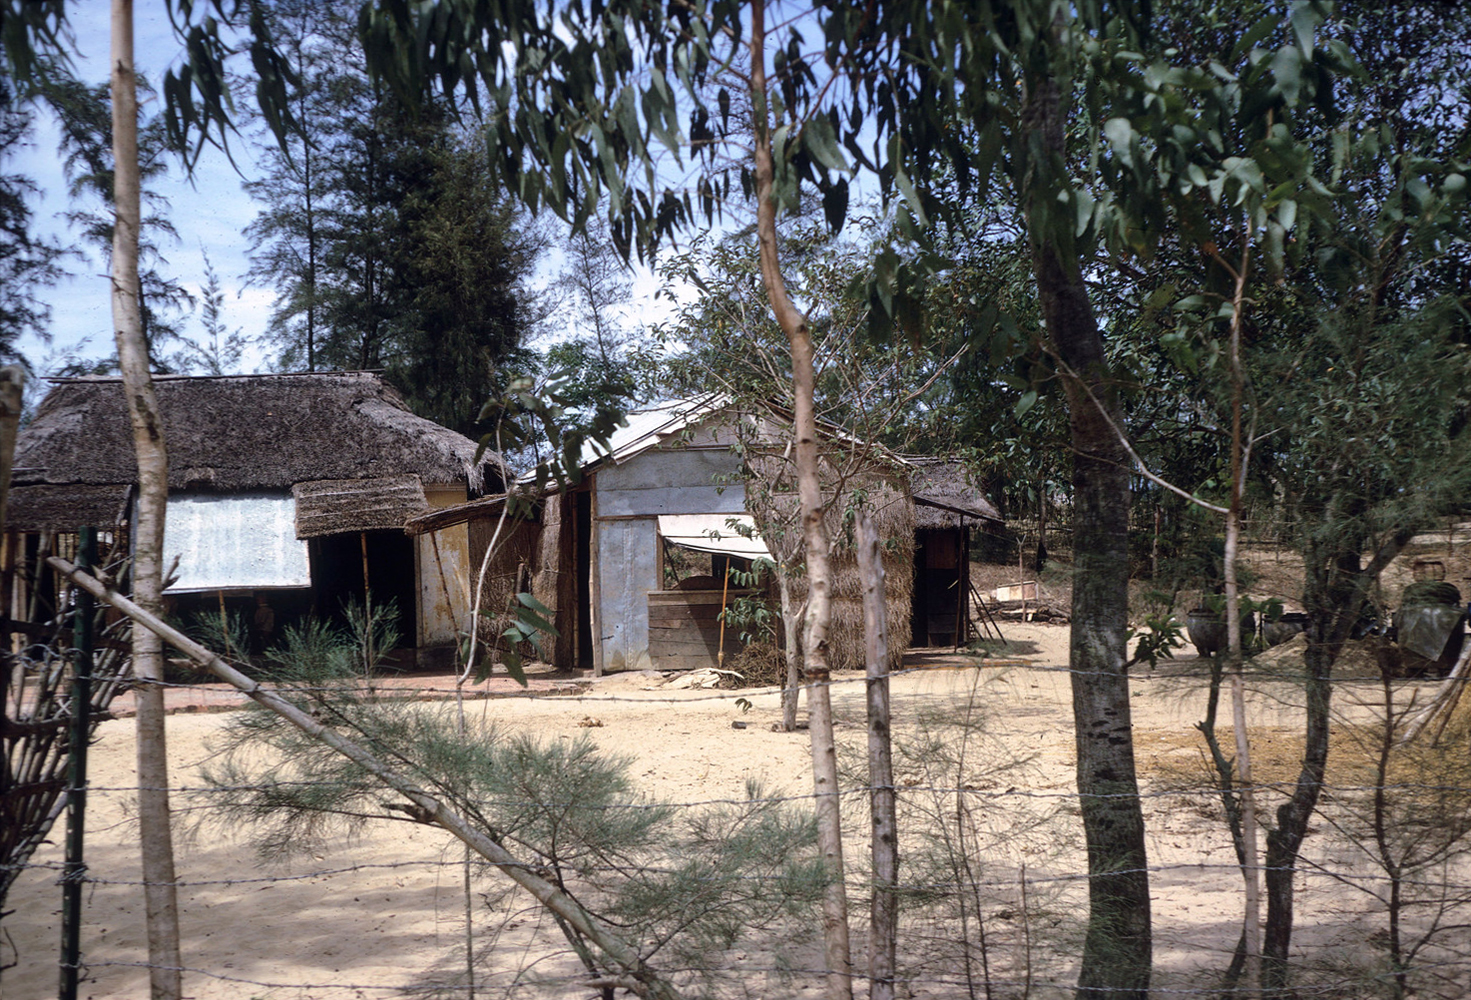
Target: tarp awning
[
  {"x": 722, "y": 534},
  {"x": 234, "y": 542}
]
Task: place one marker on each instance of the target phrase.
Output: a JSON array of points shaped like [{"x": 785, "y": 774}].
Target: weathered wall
[
  {"x": 444, "y": 579},
  {"x": 628, "y": 558},
  {"x": 695, "y": 481},
  {"x": 554, "y": 580}
]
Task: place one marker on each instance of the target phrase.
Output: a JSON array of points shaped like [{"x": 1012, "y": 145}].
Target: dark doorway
[
  {"x": 337, "y": 577},
  {"x": 941, "y": 571},
  {"x": 582, "y": 535}
]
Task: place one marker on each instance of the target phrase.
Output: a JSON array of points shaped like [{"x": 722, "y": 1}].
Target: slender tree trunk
[
  {"x": 1335, "y": 585},
  {"x": 883, "y": 934},
  {"x": 311, "y": 258},
  {"x": 155, "y": 834},
  {"x": 814, "y": 534},
  {"x": 1117, "y": 948},
  {"x": 1251, "y": 929},
  {"x": 1332, "y": 606}
]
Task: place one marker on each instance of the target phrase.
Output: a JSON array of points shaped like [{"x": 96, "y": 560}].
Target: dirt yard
[{"x": 382, "y": 915}]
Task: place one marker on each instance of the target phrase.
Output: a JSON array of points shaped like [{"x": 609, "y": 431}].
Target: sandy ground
[{"x": 371, "y": 916}]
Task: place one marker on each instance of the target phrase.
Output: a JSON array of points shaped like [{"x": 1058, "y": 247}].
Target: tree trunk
[
  {"x": 883, "y": 935},
  {"x": 154, "y": 831},
  {"x": 1117, "y": 948},
  {"x": 1251, "y": 929},
  {"x": 1335, "y": 586},
  {"x": 814, "y": 534}
]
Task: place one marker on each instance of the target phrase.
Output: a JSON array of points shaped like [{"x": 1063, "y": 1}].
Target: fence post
[{"x": 76, "y": 790}]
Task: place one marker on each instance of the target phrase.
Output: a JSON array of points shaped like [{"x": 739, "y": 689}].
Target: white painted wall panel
[{"x": 234, "y": 542}]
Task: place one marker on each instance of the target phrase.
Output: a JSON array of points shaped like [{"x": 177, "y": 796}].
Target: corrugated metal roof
[{"x": 646, "y": 428}]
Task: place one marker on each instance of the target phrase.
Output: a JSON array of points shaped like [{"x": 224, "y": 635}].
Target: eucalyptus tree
[
  {"x": 1110, "y": 137},
  {"x": 605, "y": 108},
  {"x": 35, "y": 37},
  {"x": 600, "y": 106},
  {"x": 28, "y": 261}
]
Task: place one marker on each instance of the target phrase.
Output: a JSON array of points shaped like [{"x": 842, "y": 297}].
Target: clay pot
[
  {"x": 1207, "y": 630},
  {"x": 1287, "y": 625}
]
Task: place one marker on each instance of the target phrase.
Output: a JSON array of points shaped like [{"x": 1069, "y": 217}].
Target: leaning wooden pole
[{"x": 634, "y": 973}]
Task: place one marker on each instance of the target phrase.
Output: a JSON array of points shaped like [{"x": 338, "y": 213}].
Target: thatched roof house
[
  {"x": 260, "y": 465},
  {"x": 240, "y": 434}
]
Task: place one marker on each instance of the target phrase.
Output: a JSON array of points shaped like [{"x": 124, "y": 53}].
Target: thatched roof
[
  {"x": 944, "y": 494},
  {"x": 59, "y": 508},
  {"x": 251, "y": 432},
  {"x": 483, "y": 508},
  {"x": 334, "y": 506}
]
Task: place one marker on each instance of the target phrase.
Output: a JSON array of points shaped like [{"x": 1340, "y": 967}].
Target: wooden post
[
  {"x": 962, "y": 577},
  {"x": 76, "y": 784},
  {"x": 367, "y": 612},
  {"x": 595, "y": 584},
  {"x": 724, "y": 591},
  {"x": 884, "y": 908},
  {"x": 225, "y": 627}
]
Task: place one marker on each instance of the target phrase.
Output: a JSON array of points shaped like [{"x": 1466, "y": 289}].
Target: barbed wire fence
[{"x": 993, "y": 877}]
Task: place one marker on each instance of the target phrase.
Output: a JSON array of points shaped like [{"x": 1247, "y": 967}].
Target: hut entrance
[
  {"x": 337, "y": 576},
  {"x": 582, "y": 500},
  {"x": 941, "y": 567}
]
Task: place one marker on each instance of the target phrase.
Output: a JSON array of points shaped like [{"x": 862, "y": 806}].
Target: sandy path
[{"x": 386, "y": 910}]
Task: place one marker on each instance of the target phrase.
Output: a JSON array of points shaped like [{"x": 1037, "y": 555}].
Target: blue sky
[{"x": 210, "y": 212}]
